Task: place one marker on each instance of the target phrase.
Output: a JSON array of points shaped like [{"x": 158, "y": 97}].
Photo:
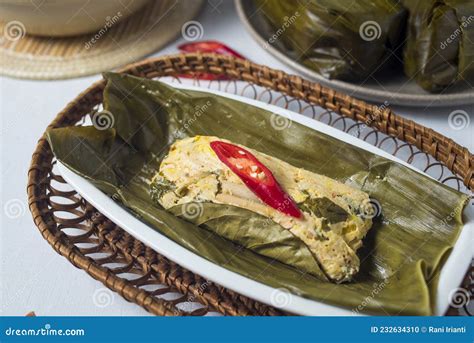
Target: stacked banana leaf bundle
[
  {"x": 324, "y": 34},
  {"x": 400, "y": 257},
  {"x": 440, "y": 43},
  {"x": 351, "y": 40}
]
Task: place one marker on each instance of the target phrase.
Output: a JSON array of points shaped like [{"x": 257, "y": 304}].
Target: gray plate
[{"x": 391, "y": 87}]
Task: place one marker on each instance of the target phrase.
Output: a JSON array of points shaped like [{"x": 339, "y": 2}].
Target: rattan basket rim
[{"x": 457, "y": 158}]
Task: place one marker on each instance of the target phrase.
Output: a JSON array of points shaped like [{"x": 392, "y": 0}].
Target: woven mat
[
  {"x": 126, "y": 41},
  {"x": 90, "y": 241}
]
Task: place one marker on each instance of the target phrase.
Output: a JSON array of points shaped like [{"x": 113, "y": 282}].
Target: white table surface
[{"x": 32, "y": 276}]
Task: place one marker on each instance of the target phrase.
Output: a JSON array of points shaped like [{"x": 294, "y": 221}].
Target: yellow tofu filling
[{"x": 332, "y": 225}]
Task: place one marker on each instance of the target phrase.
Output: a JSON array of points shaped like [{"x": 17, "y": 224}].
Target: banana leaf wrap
[
  {"x": 403, "y": 252},
  {"x": 274, "y": 242},
  {"x": 339, "y": 40},
  {"x": 439, "y": 49}
]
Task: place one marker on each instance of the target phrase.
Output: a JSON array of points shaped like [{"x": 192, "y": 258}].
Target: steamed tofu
[{"x": 331, "y": 226}]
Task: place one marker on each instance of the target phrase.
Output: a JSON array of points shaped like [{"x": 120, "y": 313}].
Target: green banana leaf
[
  {"x": 255, "y": 232},
  {"x": 338, "y": 39},
  {"x": 439, "y": 50},
  {"x": 402, "y": 254}
]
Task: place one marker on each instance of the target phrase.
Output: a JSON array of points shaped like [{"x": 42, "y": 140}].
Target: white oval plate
[{"x": 450, "y": 278}]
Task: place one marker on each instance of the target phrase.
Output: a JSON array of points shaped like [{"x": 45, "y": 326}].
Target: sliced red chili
[
  {"x": 211, "y": 47},
  {"x": 256, "y": 176}
]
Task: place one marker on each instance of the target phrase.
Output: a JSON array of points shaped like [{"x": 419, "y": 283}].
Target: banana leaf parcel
[
  {"x": 440, "y": 43},
  {"x": 402, "y": 254},
  {"x": 338, "y": 39}
]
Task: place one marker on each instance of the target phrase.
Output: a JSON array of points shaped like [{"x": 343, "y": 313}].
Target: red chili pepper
[
  {"x": 208, "y": 46},
  {"x": 258, "y": 178}
]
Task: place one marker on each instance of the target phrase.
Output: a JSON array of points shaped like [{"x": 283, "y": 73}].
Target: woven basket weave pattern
[
  {"x": 95, "y": 244},
  {"x": 125, "y": 41}
]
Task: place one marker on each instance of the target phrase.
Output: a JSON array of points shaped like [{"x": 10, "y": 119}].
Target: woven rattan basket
[{"x": 110, "y": 255}]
